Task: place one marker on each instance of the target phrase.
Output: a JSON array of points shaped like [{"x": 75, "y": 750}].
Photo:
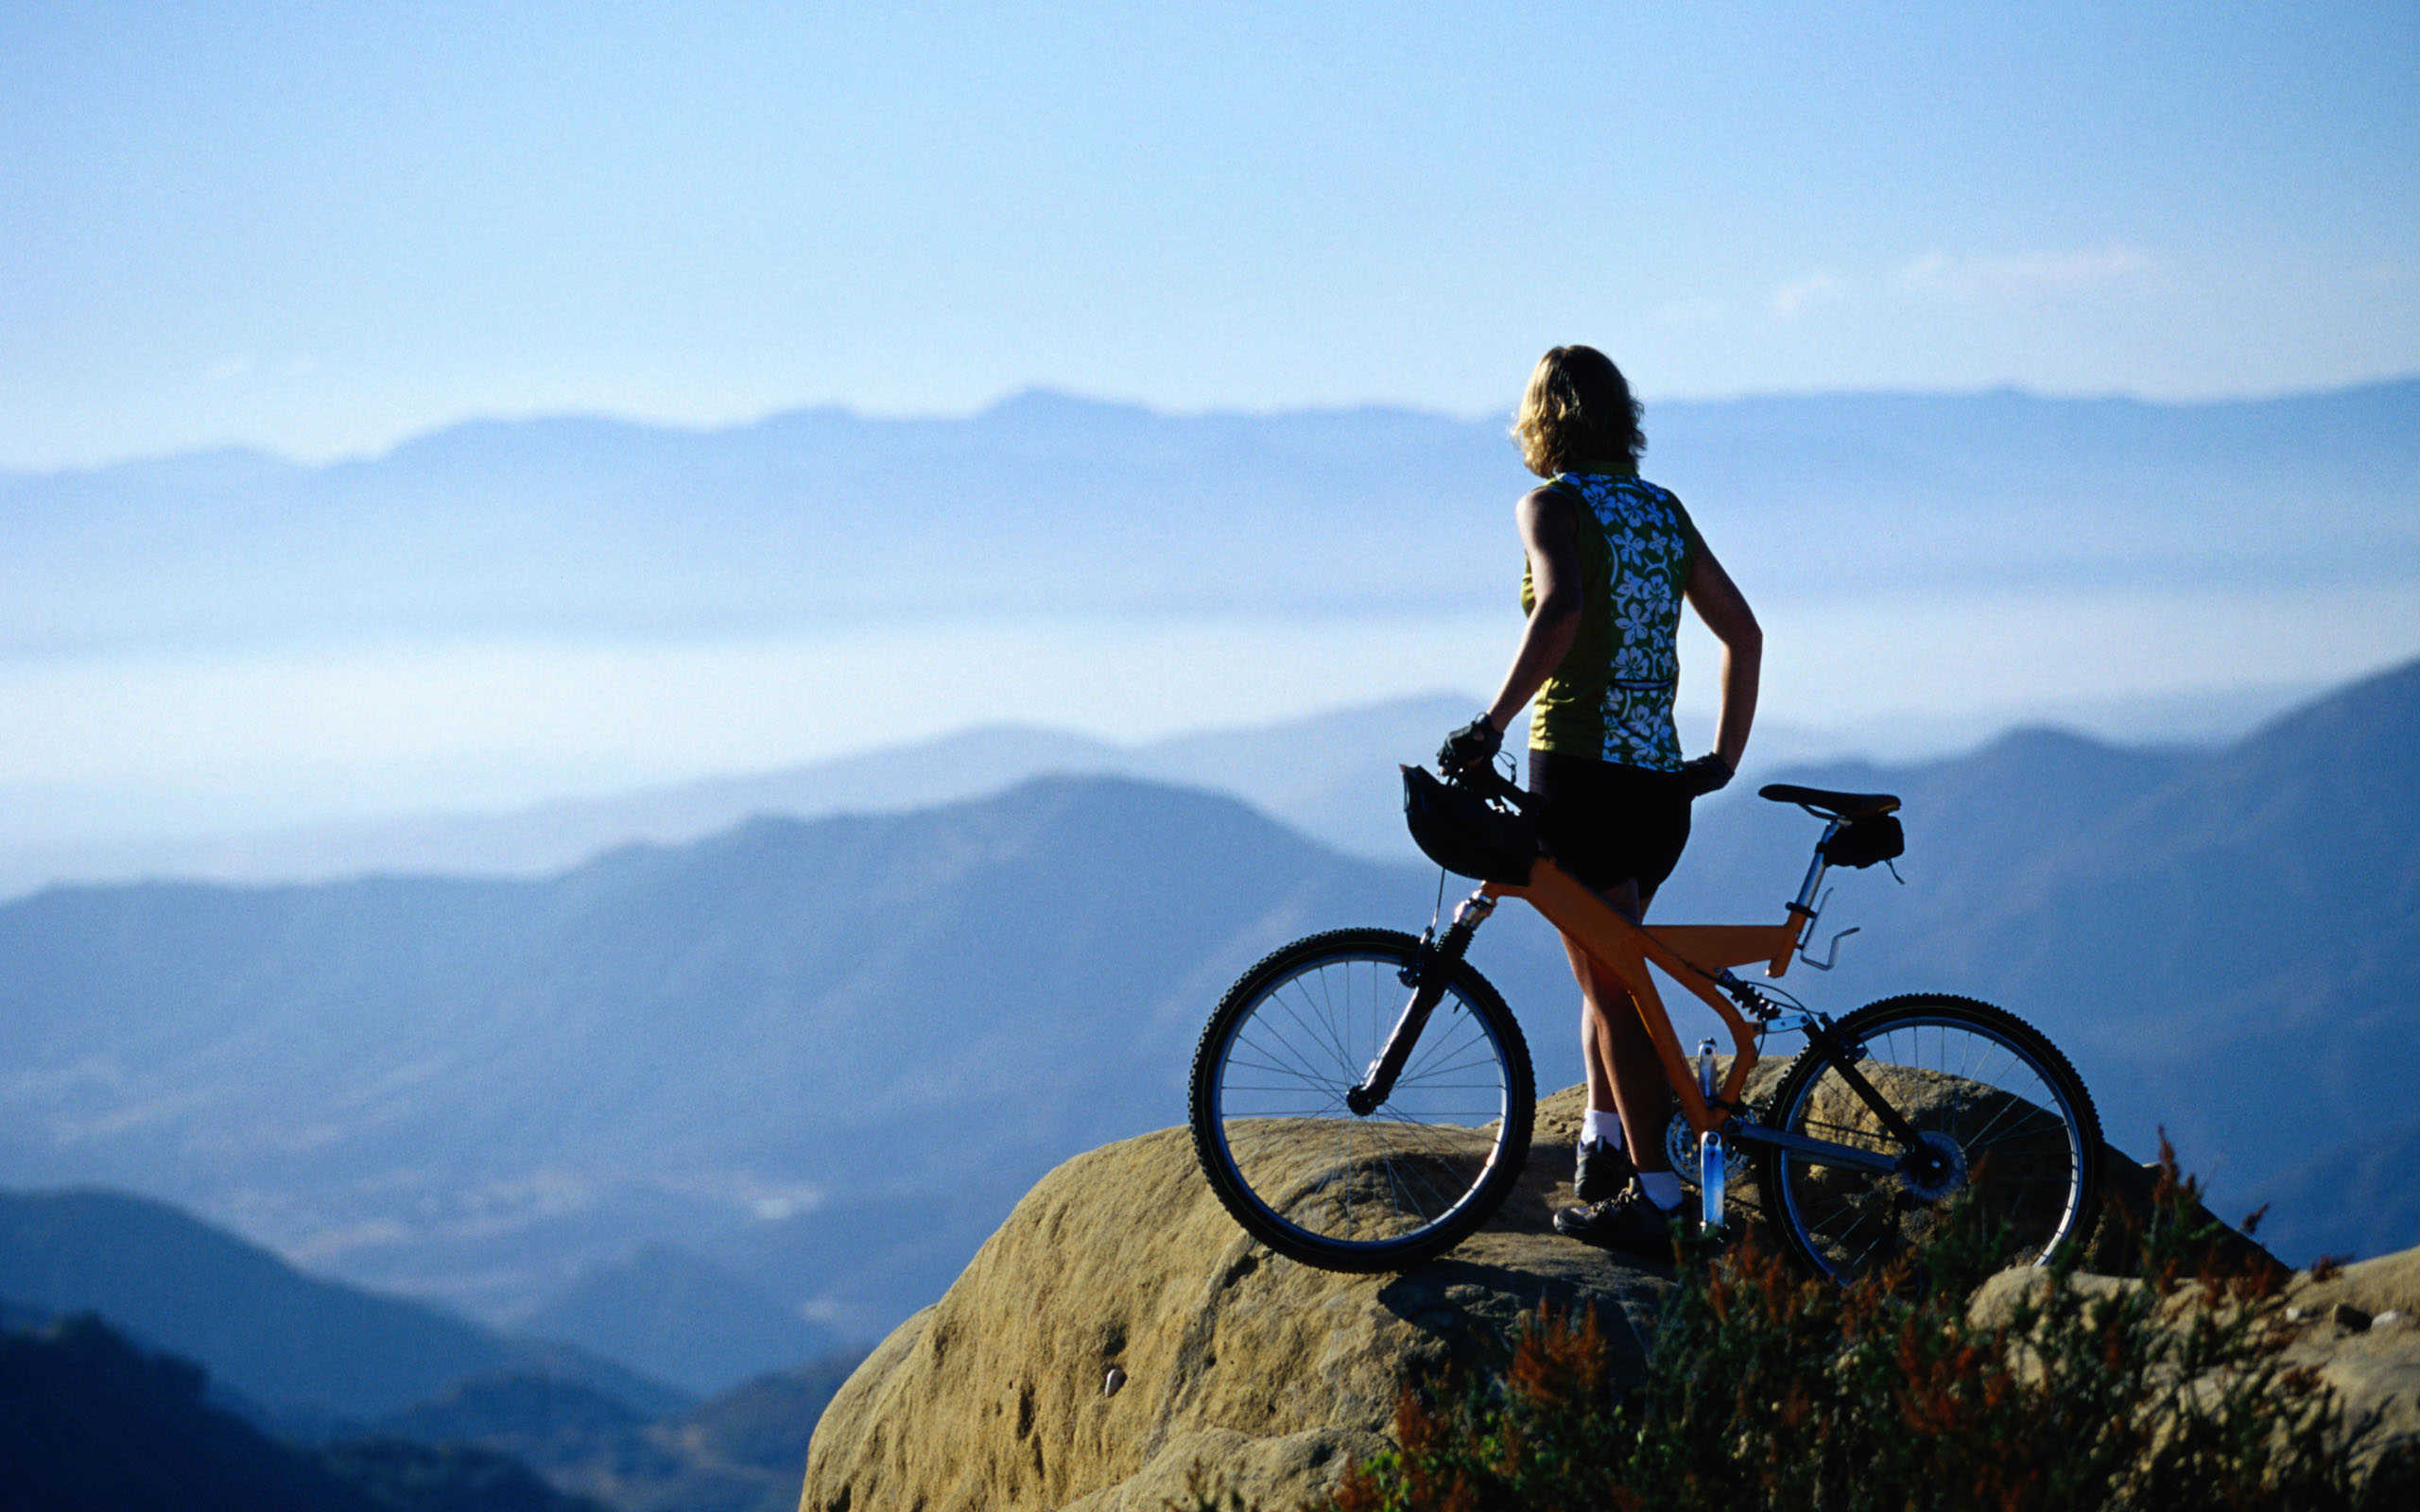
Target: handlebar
[{"x": 1488, "y": 782}]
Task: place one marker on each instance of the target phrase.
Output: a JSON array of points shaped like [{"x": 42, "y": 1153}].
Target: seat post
[{"x": 1815, "y": 869}]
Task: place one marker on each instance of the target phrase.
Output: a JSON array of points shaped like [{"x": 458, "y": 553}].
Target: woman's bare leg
[
  {"x": 1634, "y": 1069},
  {"x": 1595, "y": 1053},
  {"x": 1624, "y": 1071}
]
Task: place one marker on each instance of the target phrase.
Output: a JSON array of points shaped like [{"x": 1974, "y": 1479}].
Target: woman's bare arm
[
  {"x": 1548, "y": 535},
  {"x": 1725, "y": 610}
]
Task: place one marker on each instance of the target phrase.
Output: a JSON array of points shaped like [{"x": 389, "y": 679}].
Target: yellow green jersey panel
[{"x": 1612, "y": 697}]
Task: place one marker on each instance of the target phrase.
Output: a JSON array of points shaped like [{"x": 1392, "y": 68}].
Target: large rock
[
  {"x": 1266, "y": 1376},
  {"x": 2362, "y": 1334},
  {"x": 2358, "y": 1329},
  {"x": 1270, "y": 1375}
]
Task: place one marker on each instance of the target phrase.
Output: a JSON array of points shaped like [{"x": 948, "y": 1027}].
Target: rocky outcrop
[
  {"x": 2357, "y": 1329},
  {"x": 2362, "y": 1332},
  {"x": 1119, "y": 1330},
  {"x": 1120, "y": 1342}
]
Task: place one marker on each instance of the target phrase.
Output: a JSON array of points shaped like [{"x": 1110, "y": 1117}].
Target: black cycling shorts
[{"x": 1605, "y": 822}]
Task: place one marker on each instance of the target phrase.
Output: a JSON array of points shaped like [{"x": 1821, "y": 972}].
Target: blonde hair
[{"x": 1578, "y": 409}]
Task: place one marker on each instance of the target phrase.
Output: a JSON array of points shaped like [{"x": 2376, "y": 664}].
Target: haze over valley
[
  {"x": 219, "y": 647},
  {"x": 755, "y": 1055},
  {"x": 572, "y": 1062}
]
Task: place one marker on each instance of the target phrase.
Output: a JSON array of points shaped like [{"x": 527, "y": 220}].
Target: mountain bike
[{"x": 1362, "y": 1099}]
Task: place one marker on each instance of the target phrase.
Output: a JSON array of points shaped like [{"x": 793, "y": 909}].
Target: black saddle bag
[{"x": 1863, "y": 842}]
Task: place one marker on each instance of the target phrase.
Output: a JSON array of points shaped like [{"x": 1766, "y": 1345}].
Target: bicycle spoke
[
  {"x": 1404, "y": 1200},
  {"x": 1323, "y": 1036},
  {"x": 2014, "y": 1104},
  {"x": 1299, "y": 1074},
  {"x": 1285, "y": 1046},
  {"x": 1957, "y": 1077},
  {"x": 1444, "y": 1203},
  {"x": 1473, "y": 1063},
  {"x": 1871, "y": 1207},
  {"x": 1318, "y": 1172}
]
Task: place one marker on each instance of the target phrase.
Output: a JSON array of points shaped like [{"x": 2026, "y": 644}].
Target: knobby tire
[
  {"x": 1430, "y": 1185},
  {"x": 2003, "y": 1094}
]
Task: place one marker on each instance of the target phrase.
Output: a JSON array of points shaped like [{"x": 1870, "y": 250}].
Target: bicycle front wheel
[
  {"x": 2007, "y": 1124},
  {"x": 1308, "y": 1177}
]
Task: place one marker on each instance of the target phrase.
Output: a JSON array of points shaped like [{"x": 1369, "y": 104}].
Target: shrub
[{"x": 1768, "y": 1390}]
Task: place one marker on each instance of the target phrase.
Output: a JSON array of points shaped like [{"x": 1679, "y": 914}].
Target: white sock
[
  {"x": 1662, "y": 1188},
  {"x": 1601, "y": 1126}
]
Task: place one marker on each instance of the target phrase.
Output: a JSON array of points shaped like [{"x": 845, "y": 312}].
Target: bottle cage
[{"x": 1465, "y": 833}]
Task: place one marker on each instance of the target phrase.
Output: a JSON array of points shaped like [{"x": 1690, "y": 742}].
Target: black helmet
[{"x": 1463, "y": 833}]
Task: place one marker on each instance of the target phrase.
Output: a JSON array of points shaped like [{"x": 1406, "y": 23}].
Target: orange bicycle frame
[{"x": 1691, "y": 955}]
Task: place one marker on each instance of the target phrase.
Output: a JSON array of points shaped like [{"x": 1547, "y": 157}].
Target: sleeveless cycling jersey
[{"x": 1612, "y": 697}]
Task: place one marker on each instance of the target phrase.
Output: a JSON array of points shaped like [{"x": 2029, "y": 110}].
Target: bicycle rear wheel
[
  {"x": 2012, "y": 1121},
  {"x": 1299, "y": 1169}
]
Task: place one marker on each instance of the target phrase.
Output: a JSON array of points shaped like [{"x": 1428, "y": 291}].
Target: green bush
[{"x": 1767, "y": 1390}]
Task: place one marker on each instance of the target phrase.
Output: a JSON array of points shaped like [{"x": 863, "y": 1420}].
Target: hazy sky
[{"x": 318, "y": 227}]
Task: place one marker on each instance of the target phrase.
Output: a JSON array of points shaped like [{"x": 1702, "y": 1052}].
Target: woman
[{"x": 1611, "y": 557}]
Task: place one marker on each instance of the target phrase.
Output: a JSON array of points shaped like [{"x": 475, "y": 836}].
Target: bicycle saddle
[{"x": 1836, "y": 805}]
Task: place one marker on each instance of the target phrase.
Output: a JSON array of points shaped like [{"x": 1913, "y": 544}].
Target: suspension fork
[{"x": 1425, "y": 974}]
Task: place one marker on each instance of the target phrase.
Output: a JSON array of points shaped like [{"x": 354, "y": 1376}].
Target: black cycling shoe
[
  {"x": 1628, "y": 1220},
  {"x": 1602, "y": 1169}
]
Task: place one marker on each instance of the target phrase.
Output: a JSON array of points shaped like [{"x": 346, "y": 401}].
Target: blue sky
[{"x": 320, "y": 228}]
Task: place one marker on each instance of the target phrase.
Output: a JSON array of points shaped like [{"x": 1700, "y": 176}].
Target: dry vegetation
[{"x": 1766, "y": 1390}]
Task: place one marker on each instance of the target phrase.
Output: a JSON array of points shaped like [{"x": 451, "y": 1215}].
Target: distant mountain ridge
[
  {"x": 1329, "y": 774},
  {"x": 1326, "y": 774},
  {"x": 2221, "y": 939},
  {"x": 367, "y": 1391},
  {"x": 740, "y": 1451},
  {"x": 91, "y": 1422},
  {"x": 695, "y": 1043},
  {"x": 684, "y": 1043},
  {"x": 292, "y": 1342},
  {"x": 586, "y": 526},
  {"x": 680, "y": 1319}
]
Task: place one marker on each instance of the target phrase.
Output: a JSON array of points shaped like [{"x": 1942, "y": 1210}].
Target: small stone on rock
[
  {"x": 2348, "y": 1318},
  {"x": 1116, "y": 1378}
]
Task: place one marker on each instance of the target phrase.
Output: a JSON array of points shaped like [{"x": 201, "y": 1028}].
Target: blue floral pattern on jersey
[{"x": 1650, "y": 557}]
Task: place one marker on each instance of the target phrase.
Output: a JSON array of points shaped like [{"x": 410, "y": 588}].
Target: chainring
[{"x": 1680, "y": 1150}]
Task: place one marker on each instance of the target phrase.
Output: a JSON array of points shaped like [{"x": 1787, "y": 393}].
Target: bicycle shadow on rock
[
  {"x": 1474, "y": 1298},
  {"x": 1476, "y": 1306}
]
